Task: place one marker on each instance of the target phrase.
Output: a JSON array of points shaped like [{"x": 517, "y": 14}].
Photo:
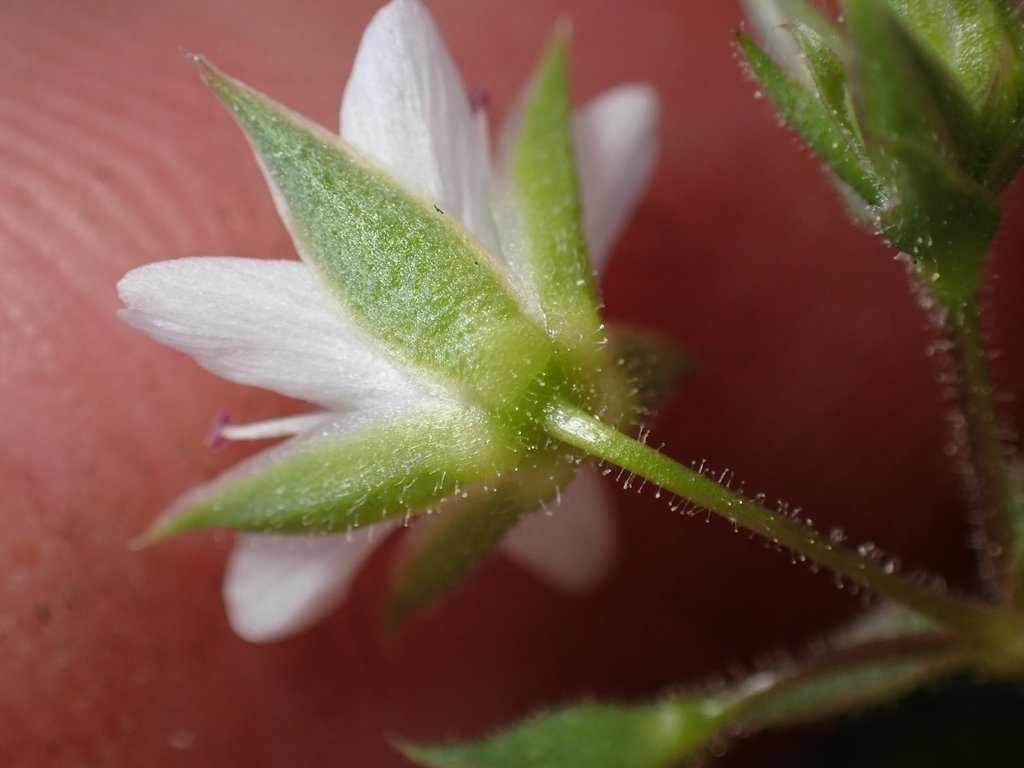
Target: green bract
[{"x": 917, "y": 107}]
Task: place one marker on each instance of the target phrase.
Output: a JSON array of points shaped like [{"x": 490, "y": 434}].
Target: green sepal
[
  {"x": 337, "y": 481},
  {"x": 591, "y": 735},
  {"x": 981, "y": 43},
  {"x": 973, "y": 37},
  {"x": 803, "y": 109},
  {"x": 406, "y": 272},
  {"x": 541, "y": 164},
  {"x": 653, "y": 368},
  {"x": 829, "y": 76},
  {"x": 903, "y": 92},
  {"x": 465, "y": 530}
]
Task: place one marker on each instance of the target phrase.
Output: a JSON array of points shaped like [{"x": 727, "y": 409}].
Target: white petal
[
  {"x": 572, "y": 546},
  {"x": 277, "y": 586},
  {"x": 406, "y": 108},
  {"x": 270, "y": 324},
  {"x": 616, "y": 144}
]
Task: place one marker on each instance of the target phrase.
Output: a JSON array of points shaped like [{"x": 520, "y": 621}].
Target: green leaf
[
  {"x": 590, "y": 735},
  {"x": 331, "y": 483},
  {"x": 804, "y": 110},
  {"x": 607, "y": 736},
  {"x": 404, "y": 270},
  {"x": 546, "y": 188}
]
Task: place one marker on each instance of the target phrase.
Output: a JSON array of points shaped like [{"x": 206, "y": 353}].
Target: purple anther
[
  {"x": 215, "y": 435},
  {"x": 479, "y": 99}
]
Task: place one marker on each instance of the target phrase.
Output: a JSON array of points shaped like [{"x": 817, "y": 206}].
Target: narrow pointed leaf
[
  {"x": 408, "y": 273},
  {"x": 591, "y": 735},
  {"x": 842, "y": 683},
  {"x": 656, "y": 736}
]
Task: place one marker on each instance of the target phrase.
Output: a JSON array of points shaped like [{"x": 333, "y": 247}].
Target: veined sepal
[
  {"x": 540, "y": 203},
  {"x": 356, "y": 469},
  {"x": 403, "y": 269}
]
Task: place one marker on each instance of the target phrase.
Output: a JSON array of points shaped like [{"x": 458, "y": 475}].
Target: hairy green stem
[
  {"x": 845, "y": 679},
  {"x": 992, "y": 489},
  {"x": 983, "y": 623}
]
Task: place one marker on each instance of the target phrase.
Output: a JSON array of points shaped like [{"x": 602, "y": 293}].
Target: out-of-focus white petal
[
  {"x": 572, "y": 546},
  {"x": 770, "y": 18},
  {"x": 269, "y": 324},
  {"x": 277, "y": 586},
  {"x": 406, "y": 108},
  {"x": 616, "y": 137}
]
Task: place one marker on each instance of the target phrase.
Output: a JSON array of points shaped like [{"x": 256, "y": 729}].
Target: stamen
[
  {"x": 215, "y": 434},
  {"x": 272, "y": 428}
]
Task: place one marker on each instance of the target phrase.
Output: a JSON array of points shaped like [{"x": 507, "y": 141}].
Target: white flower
[{"x": 279, "y": 325}]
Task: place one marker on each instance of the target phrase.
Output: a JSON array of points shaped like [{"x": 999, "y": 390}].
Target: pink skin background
[{"x": 812, "y": 386}]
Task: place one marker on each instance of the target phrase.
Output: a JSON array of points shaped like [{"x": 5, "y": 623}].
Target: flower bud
[{"x": 916, "y": 108}]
